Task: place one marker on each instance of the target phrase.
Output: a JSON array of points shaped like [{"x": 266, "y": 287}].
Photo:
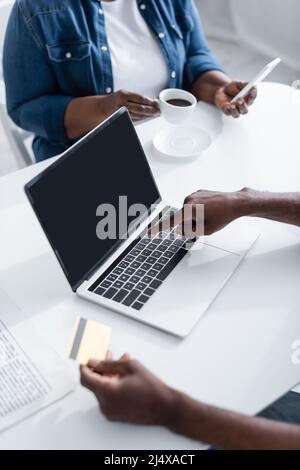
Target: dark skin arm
[
  {"x": 217, "y": 88},
  {"x": 220, "y": 209},
  {"x": 84, "y": 114},
  {"x": 231, "y": 431},
  {"x": 128, "y": 392}
]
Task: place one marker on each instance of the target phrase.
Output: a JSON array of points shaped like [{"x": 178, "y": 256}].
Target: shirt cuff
[
  {"x": 197, "y": 66},
  {"x": 54, "y": 118}
]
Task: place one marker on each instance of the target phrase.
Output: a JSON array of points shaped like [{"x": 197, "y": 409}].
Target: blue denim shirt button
[
  {"x": 173, "y": 74},
  {"x": 68, "y": 55},
  {"x": 100, "y": 11},
  {"x": 104, "y": 48},
  {"x": 143, "y": 6},
  {"x": 108, "y": 90},
  {"x": 161, "y": 35}
]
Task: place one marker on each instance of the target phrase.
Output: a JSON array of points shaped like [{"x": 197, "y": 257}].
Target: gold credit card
[{"x": 90, "y": 340}]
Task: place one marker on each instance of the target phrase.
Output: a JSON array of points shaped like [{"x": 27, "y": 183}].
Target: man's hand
[
  {"x": 126, "y": 391},
  {"x": 226, "y": 93},
  {"x": 220, "y": 209},
  {"x": 140, "y": 107}
]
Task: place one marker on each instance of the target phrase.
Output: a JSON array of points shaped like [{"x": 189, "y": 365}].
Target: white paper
[{"x": 32, "y": 375}]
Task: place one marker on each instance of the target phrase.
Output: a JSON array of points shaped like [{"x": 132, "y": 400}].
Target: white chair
[{"x": 19, "y": 140}]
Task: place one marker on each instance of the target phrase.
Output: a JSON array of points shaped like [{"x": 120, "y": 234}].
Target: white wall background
[
  {"x": 217, "y": 18},
  {"x": 270, "y": 26},
  {"x": 5, "y": 7}
]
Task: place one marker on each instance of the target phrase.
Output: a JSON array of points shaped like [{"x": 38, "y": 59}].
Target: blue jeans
[{"x": 286, "y": 409}]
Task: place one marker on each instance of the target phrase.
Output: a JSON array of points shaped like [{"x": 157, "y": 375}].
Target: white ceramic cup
[{"x": 176, "y": 114}]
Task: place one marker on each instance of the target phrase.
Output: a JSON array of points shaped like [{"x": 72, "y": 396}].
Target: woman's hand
[
  {"x": 226, "y": 93},
  {"x": 85, "y": 113},
  {"x": 126, "y": 391},
  {"x": 140, "y": 107}
]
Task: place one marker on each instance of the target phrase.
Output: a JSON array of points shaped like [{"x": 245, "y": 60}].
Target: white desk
[{"x": 231, "y": 359}]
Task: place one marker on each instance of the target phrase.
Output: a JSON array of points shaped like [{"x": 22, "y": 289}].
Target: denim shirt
[{"x": 56, "y": 50}]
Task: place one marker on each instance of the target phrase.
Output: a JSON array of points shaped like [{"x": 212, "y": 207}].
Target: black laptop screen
[{"x": 108, "y": 164}]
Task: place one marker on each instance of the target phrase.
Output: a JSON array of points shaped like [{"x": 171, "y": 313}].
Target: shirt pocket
[{"x": 71, "y": 62}]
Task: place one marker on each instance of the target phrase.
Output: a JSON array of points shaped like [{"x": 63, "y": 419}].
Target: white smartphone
[{"x": 257, "y": 79}]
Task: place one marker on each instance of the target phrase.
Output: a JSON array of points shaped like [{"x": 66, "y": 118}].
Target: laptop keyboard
[{"x": 142, "y": 268}]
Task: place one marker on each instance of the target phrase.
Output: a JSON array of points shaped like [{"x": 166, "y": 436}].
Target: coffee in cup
[
  {"x": 180, "y": 103},
  {"x": 176, "y": 105}
]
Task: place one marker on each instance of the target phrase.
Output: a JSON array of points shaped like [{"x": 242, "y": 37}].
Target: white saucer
[{"x": 181, "y": 142}]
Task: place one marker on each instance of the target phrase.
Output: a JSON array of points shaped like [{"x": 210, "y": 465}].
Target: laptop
[{"x": 157, "y": 281}]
